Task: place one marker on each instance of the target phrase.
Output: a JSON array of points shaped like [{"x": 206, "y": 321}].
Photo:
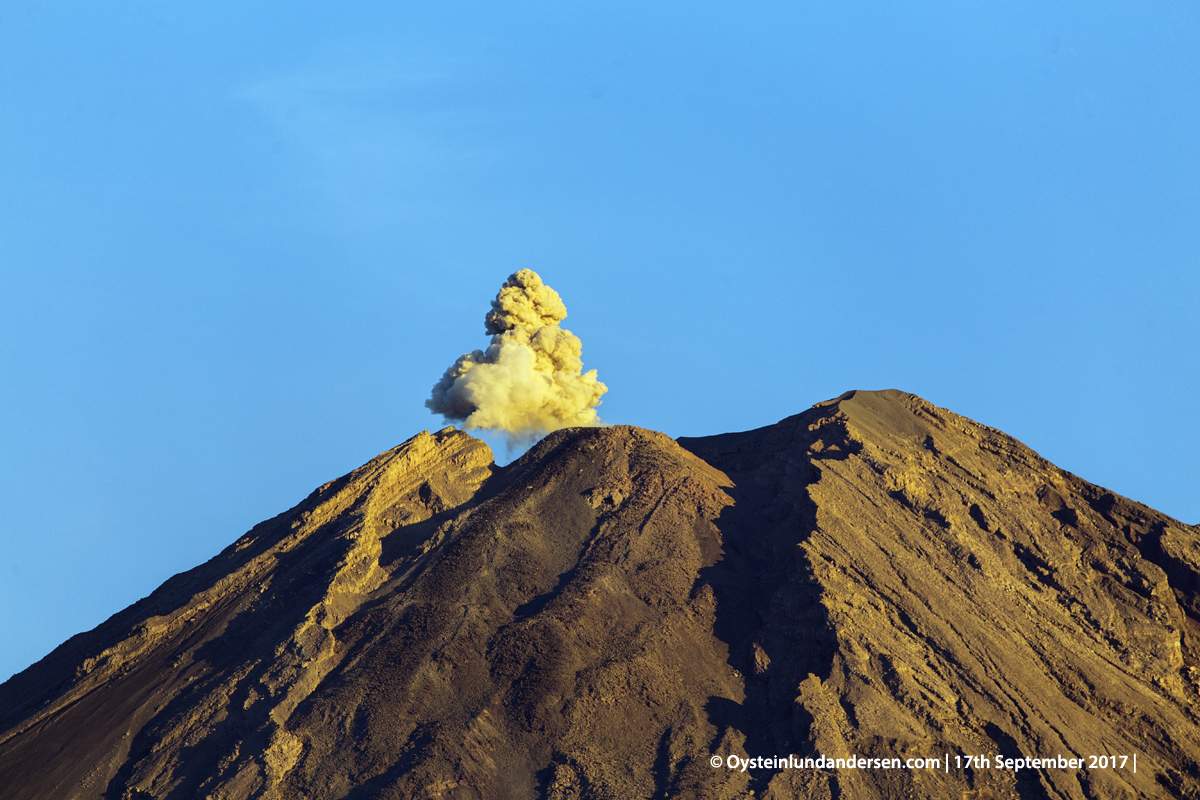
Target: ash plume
[{"x": 530, "y": 380}]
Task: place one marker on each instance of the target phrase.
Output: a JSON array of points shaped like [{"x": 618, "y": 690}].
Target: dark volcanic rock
[{"x": 874, "y": 577}]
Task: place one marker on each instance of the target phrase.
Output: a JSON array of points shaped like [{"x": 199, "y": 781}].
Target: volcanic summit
[{"x": 616, "y": 611}]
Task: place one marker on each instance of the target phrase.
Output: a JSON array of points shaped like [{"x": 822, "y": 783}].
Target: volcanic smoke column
[{"x": 530, "y": 380}]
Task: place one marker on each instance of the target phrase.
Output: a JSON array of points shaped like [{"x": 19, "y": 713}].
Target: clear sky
[{"x": 239, "y": 242}]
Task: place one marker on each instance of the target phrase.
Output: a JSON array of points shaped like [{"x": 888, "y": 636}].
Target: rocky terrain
[{"x": 875, "y": 577}]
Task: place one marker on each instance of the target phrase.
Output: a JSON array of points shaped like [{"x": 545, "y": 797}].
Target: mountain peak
[{"x": 875, "y": 576}]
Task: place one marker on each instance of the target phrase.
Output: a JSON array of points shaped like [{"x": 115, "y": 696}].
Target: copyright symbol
[{"x": 716, "y": 761}]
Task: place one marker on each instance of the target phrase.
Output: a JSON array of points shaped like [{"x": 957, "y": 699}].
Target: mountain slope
[
  {"x": 975, "y": 600},
  {"x": 874, "y": 577},
  {"x": 227, "y": 650}
]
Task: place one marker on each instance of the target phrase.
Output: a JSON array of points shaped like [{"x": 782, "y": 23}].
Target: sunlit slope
[
  {"x": 875, "y": 576},
  {"x": 973, "y": 599}
]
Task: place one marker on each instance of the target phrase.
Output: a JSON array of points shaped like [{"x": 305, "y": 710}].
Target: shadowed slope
[
  {"x": 875, "y": 576},
  {"x": 554, "y": 647}
]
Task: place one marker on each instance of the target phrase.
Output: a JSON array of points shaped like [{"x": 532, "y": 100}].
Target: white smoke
[{"x": 530, "y": 380}]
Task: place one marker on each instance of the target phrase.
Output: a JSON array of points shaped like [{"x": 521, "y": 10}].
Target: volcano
[{"x": 875, "y": 598}]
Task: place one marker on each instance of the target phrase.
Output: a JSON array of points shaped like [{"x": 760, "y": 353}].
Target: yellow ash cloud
[{"x": 530, "y": 379}]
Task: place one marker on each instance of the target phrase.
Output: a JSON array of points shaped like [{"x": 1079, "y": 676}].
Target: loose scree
[{"x": 530, "y": 380}]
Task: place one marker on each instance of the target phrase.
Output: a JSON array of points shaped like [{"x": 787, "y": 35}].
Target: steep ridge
[
  {"x": 173, "y": 691},
  {"x": 557, "y": 646},
  {"x": 875, "y": 576},
  {"x": 975, "y": 600}
]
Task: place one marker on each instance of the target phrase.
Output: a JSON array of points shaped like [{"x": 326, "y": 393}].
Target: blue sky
[{"x": 240, "y": 242}]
